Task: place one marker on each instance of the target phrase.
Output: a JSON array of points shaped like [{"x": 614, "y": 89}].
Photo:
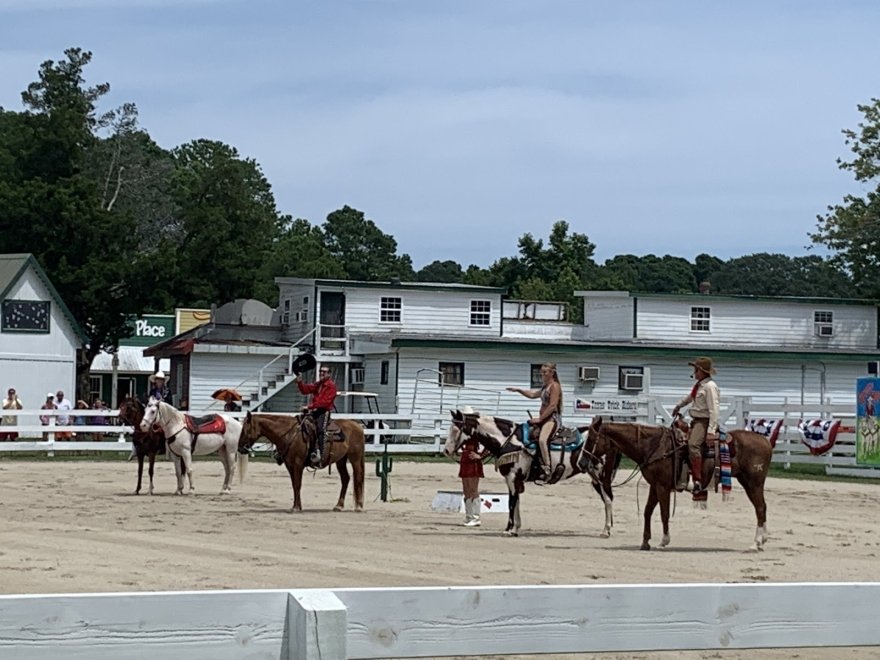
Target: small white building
[{"x": 39, "y": 337}]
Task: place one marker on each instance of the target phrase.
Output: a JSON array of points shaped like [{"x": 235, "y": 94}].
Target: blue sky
[{"x": 652, "y": 127}]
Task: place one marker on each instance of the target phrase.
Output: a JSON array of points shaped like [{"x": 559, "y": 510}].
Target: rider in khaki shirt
[{"x": 704, "y": 412}]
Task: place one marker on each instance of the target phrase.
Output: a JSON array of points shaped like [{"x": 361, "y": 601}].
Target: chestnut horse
[
  {"x": 654, "y": 450},
  {"x": 503, "y": 439},
  {"x": 286, "y": 433},
  {"x": 145, "y": 443}
]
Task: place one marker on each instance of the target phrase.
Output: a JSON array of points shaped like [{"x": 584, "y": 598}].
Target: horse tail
[{"x": 242, "y": 466}]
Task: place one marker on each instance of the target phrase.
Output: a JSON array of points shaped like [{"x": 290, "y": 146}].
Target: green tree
[
  {"x": 851, "y": 230},
  {"x": 766, "y": 274},
  {"x": 300, "y": 251},
  {"x": 51, "y": 205},
  {"x": 364, "y": 250},
  {"x": 228, "y": 222},
  {"x": 440, "y": 271}
]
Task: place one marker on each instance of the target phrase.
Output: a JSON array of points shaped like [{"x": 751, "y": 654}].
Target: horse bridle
[{"x": 169, "y": 438}]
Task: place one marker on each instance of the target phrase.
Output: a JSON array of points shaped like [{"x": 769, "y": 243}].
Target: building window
[
  {"x": 383, "y": 374},
  {"x": 389, "y": 311},
  {"x": 95, "y": 383},
  {"x": 824, "y": 323},
  {"x": 451, "y": 373},
  {"x": 285, "y": 315},
  {"x": 700, "y": 317},
  {"x": 480, "y": 312},
  {"x": 536, "y": 381}
]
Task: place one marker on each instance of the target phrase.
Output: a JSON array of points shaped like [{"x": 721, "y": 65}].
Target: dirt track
[{"x": 75, "y": 527}]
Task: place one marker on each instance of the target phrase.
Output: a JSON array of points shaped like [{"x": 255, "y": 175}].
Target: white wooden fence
[
  {"x": 420, "y": 434},
  {"x": 398, "y": 430},
  {"x": 332, "y": 624}
]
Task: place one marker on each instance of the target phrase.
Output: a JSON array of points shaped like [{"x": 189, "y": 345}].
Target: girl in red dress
[{"x": 471, "y": 471}]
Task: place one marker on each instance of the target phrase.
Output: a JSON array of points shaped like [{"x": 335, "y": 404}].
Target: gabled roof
[{"x": 13, "y": 266}]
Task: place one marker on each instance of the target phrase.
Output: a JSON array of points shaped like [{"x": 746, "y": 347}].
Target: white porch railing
[{"x": 334, "y": 624}]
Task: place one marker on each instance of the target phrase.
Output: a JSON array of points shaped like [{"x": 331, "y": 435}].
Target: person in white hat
[
  {"x": 159, "y": 387},
  {"x": 704, "y": 412}
]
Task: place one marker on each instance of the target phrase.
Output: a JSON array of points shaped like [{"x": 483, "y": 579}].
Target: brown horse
[
  {"x": 291, "y": 440},
  {"x": 653, "y": 448},
  {"x": 145, "y": 443}
]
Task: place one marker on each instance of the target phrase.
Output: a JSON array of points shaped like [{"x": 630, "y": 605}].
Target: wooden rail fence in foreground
[{"x": 331, "y": 624}]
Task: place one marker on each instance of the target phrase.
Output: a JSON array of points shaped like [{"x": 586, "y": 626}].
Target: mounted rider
[
  {"x": 549, "y": 419},
  {"x": 323, "y": 400},
  {"x": 704, "y": 412},
  {"x": 159, "y": 389}
]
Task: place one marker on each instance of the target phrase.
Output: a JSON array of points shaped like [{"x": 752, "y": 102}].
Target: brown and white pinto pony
[
  {"x": 654, "y": 450},
  {"x": 504, "y": 439}
]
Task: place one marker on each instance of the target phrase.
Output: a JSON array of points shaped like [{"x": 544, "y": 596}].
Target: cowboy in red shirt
[{"x": 323, "y": 393}]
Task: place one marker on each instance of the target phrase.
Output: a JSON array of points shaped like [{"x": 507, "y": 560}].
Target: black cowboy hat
[{"x": 304, "y": 362}]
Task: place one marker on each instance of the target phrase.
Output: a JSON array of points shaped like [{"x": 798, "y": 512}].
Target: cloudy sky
[{"x": 457, "y": 126}]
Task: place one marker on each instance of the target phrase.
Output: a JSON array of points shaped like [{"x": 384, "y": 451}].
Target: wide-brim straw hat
[{"x": 704, "y": 364}]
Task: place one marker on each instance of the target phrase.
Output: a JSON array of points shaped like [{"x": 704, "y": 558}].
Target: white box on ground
[{"x": 451, "y": 501}]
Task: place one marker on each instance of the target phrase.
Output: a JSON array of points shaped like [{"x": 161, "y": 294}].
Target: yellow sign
[{"x": 187, "y": 319}]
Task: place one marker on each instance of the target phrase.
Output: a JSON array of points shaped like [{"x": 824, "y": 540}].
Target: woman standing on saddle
[
  {"x": 323, "y": 393},
  {"x": 549, "y": 419},
  {"x": 704, "y": 412}
]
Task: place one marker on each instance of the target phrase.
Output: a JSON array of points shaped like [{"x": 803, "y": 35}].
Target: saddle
[
  {"x": 332, "y": 431},
  {"x": 710, "y": 447},
  {"x": 206, "y": 424}
]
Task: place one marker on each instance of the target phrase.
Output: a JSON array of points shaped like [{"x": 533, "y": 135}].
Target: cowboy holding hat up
[{"x": 704, "y": 412}]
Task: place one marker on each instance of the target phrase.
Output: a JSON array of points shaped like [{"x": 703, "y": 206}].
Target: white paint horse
[
  {"x": 504, "y": 441},
  {"x": 220, "y": 434}
]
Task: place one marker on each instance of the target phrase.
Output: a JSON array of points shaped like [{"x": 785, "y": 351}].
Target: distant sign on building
[
  {"x": 187, "y": 318},
  {"x": 150, "y": 329}
]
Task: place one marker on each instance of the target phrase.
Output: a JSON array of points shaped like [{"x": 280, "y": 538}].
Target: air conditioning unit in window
[
  {"x": 588, "y": 373},
  {"x": 633, "y": 382},
  {"x": 824, "y": 330},
  {"x": 357, "y": 376},
  {"x": 302, "y": 316}
]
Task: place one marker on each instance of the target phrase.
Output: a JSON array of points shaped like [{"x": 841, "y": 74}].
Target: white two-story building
[{"x": 425, "y": 347}]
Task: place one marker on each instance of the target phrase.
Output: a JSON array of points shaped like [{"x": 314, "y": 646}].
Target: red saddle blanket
[{"x": 207, "y": 424}]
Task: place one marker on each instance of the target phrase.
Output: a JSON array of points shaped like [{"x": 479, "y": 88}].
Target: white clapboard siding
[
  {"x": 422, "y": 312},
  {"x": 211, "y": 371},
  {"x": 34, "y": 362},
  {"x": 300, "y": 313},
  {"x": 609, "y": 315},
  {"x": 756, "y": 323},
  {"x": 334, "y": 624}
]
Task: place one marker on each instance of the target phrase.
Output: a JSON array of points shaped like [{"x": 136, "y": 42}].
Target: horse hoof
[
  {"x": 665, "y": 541},
  {"x": 645, "y": 546},
  {"x": 508, "y": 532},
  {"x": 337, "y": 508},
  {"x": 605, "y": 535}
]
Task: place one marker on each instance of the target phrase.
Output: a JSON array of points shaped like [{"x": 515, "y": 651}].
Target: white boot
[
  {"x": 468, "y": 513},
  {"x": 475, "y": 513}
]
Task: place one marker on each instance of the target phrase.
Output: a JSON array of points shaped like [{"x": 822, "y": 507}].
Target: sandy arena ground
[{"x": 74, "y": 526}]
